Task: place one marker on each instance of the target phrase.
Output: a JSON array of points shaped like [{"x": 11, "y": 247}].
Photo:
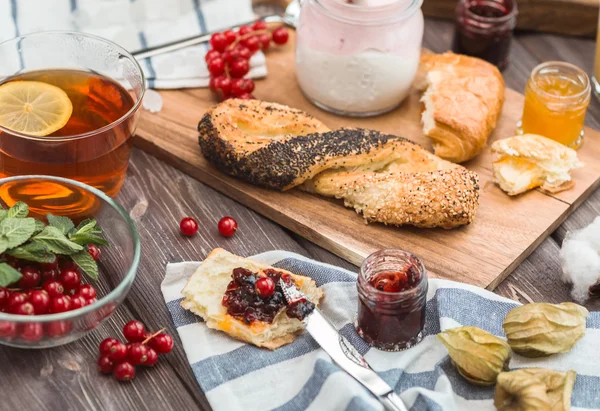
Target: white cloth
[
  {"x": 137, "y": 24},
  {"x": 301, "y": 376}
]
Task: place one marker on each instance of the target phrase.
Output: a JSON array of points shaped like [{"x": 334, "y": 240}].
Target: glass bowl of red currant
[{"x": 67, "y": 260}]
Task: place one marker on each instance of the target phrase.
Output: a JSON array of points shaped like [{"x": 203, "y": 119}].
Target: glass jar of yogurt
[{"x": 358, "y": 57}]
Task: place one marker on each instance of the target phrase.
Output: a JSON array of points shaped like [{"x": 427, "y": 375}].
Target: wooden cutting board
[{"x": 505, "y": 232}]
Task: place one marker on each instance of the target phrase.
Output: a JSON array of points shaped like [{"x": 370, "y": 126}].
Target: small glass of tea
[{"x": 68, "y": 107}]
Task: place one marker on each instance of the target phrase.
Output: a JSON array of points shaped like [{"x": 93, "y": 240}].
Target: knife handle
[{"x": 392, "y": 402}]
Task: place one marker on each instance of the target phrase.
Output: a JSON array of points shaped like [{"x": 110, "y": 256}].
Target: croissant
[
  {"x": 463, "y": 100},
  {"x": 388, "y": 179}
]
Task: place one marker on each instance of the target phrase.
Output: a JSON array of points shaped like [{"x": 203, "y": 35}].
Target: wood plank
[
  {"x": 171, "y": 134},
  {"x": 571, "y": 17}
]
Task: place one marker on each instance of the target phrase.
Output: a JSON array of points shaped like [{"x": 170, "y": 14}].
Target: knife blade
[{"x": 342, "y": 352}]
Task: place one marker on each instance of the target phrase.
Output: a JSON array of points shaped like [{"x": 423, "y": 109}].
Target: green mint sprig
[{"x": 29, "y": 239}]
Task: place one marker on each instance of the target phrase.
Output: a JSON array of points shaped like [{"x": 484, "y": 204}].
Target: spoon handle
[{"x": 192, "y": 41}]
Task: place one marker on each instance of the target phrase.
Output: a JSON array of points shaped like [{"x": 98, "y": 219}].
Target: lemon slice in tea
[{"x": 33, "y": 107}]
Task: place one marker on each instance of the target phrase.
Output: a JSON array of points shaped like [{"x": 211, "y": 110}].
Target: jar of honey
[{"x": 556, "y": 98}]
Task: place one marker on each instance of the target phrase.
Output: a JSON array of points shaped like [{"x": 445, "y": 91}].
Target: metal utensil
[
  {"x": 342, "y": 352},
  {"x": 289, "y": 18}
]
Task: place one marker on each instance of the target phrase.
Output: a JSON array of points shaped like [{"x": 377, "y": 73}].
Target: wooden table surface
[{"x": 158, "y": 196}]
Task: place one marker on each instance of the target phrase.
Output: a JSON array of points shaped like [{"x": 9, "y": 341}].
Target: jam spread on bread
[{"x": 247, "y": 302}]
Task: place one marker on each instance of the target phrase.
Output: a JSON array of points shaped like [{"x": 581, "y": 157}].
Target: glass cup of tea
[{"x": 68, "y": 107}]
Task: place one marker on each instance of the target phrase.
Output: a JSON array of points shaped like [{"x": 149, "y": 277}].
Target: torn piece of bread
[
  {"x": 463, "y": 100},
  {"x": 529, "y": 161},
  {"x": 205, "y": 290}
]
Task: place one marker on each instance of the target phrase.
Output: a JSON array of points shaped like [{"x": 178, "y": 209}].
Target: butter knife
[{"x": 341, "y": 351}]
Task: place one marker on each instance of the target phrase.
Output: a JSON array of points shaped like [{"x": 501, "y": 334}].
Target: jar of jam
[
  {"x": 484, "y": 29},
  {"x": 392, "y": 291},
  {"x": 557, "y": 95}
]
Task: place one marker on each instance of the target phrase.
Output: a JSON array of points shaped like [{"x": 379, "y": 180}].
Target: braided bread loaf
[{"x": 388, "y": 179}]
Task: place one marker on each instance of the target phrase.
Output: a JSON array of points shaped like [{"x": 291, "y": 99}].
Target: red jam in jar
[
  {"x": 392, "y": 291},
  {"x": 484, "y": 29}
]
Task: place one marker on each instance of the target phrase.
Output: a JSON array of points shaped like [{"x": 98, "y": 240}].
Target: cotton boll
[{"x": 580, "y": 264}]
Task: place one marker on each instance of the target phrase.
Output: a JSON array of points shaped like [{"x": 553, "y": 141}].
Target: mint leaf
[
  {"x": 3, "y": 214},
  {"x": 39, "y": 226},
  {"x": 3, "y": 244},
  {"x": 56, "y": 242},
  {"x": 8, "y": 275},
  {"x": 64, "y": 224},
  {"x": 87, "y": 264},
  {"x": 32, "y": 252},
  {"x": 19, "y": 210},
  {"x": 15, "y": 231},
  {"x": 88, "y": 232}
]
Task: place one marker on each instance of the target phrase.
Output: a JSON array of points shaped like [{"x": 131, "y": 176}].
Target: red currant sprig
[
  {"x": 229, "y": 59},
  {"x": 143, "y": 348}
]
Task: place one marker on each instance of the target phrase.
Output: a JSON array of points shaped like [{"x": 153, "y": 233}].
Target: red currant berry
[
  {"x": 49, "y": 275},
  {"x": 239, "y": 68},
  {"x": 265, "y": 41},
  {"x": 70, "y": 279},
  {"x": 67, "y": 265},
  {"x": 30, "y": 277},
  {"x": 241, "y": 86},
  {"x": 218, "y": 41},
  {"x": 211, "y": 54},
  {"x": 211, "y": 84},
  {"x": 243, "y": 30},
  {"x": 265, "y": 287},
  {"x": 151, "y": 357},
  {"x": 162, "y": 343},
  {"x": 16, "y": 299},
  {"x": 245, "y": 52},
  {"x": 90, "y": 301},
  {"x": 124, "y": 371},
  {"x": 252, "y": 43},
  {"x": 280, "y": 35},
  {"x": 134, "y": 331},
  {"x": 227, "y": 226},
  {"x": 137, "y": 353},
  {"x": 107, "y": 344},
  {"x": 4, "y": 296},
  {"x": 40, "y": 301},
  {"x": 216, "y": 66},
  {"x": 54, "y": 288},
  {"x": 8, "y": 329},
  {"x": 118, "y": 352},
  {"x": 105, "y": 365},
  {"x": 259, "y": 25},
  {"x": 94, "y": 251},
  {"x": 60, "y": 304},
  {"x": 223, "y": 86},
  {"x": 49, "y": 266},
  {"x": 23, "y": 309},
  {"x": 86, "y": 291},
  {"x": 230, "y": 36},
  {"x": 32, "y": 332},
  {"x": 188, "y": 226},
  {"x": 57, "y": 329},
  {"x": 78, "y": 302}
]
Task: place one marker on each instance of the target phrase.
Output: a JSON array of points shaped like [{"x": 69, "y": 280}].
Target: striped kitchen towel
[
  {"x": 299, "y": 376},
  {"x": 136, "y": 24}
]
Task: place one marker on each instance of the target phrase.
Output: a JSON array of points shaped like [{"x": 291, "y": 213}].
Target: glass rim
[
  {"x": 492, "y": 20},
  {"x": 102, "y": 129},
  {"x": 375, "y": 291},
  {"x": 411, "y": 7},
  {"x": 587, "y": 87},
  {"x": 113, "y": 294}
]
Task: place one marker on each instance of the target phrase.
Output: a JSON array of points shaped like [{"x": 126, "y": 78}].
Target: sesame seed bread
[
  {"x": 525, "y": 162},
  {"x": 388, "y": 179},
  {"x": 205, "y": 289},
  {"x": 463, "y": 100}
]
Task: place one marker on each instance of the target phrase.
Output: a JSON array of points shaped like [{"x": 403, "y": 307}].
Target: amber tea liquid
[{"x": 85, "y": 149}]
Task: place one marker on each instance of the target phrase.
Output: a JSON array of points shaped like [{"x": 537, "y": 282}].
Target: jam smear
[
  {"x": 244, "y": 302},
  {"x": 396, "y": 281}
]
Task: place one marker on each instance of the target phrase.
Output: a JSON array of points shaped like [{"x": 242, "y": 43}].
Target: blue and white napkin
[
  {"x": 136, "y": 24},
  {"x": 301, "y": 376}
]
